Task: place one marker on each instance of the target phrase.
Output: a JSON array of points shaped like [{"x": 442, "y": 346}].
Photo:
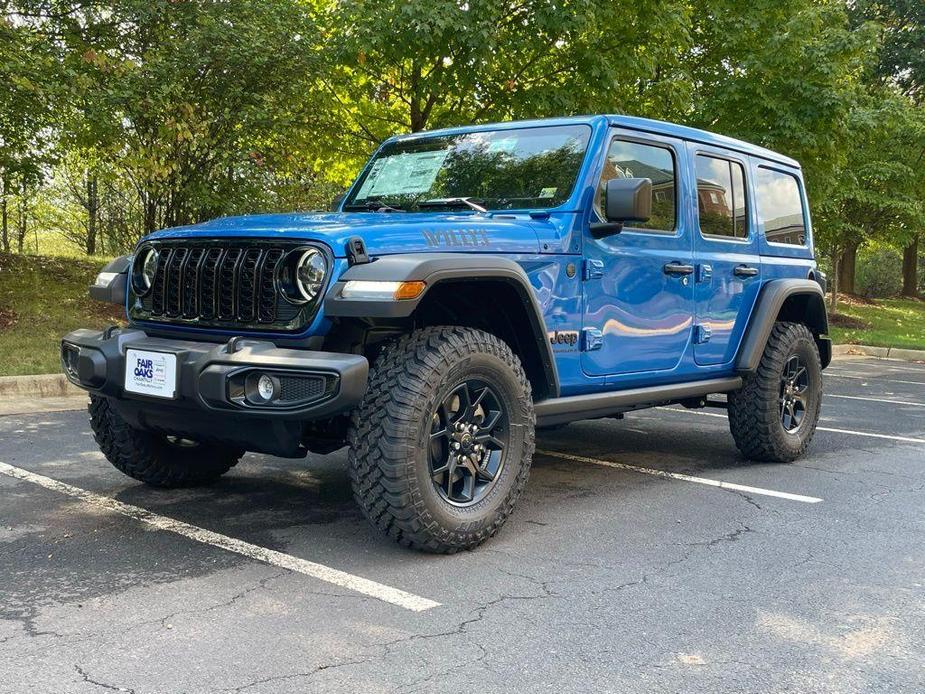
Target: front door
[
  {"x": 728, "y": 274},
  {"x": 638, "y": 288}
]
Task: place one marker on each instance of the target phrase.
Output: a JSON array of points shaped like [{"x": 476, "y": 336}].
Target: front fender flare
[{"x": 433, "y": 269}]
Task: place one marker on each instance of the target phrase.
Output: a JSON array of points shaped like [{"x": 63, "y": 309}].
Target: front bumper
[{"x": 212, "y": 400}]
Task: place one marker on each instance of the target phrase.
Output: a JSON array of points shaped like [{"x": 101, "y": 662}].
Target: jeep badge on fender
[{"x": 412, "y": 325}]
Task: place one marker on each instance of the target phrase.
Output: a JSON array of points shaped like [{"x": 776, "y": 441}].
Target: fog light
[
  {"x": 69, "y": 355},
  {"x": 261, "y": 388},
  {"x": 266, "y": 388}
]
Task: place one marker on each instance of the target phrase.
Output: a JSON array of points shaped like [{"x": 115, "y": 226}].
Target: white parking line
[
  {"x": 872, "y": 377},
  {"x": 684, "y": 478},
  {"x": 891, "y": 437},
  {"x": 342, "y": 579},
  {"x": 879, "y": 364},
  {"x": 886, "y": 400}
]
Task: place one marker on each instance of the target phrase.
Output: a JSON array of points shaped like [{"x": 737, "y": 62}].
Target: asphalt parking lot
[{"x": 807, "y": 577}]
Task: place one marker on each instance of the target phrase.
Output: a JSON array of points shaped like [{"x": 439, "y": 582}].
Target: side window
[
  {"x": 635, "y": 160},
  {"x": 721, "y": 197},
  {"x": 780, "y": 207}
]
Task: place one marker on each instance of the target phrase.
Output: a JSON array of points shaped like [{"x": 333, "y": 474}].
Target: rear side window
[
  {"x": 635, "y": 160},
  {"x": 780, "y": 207},
  {"x": 721, "y": 197}
]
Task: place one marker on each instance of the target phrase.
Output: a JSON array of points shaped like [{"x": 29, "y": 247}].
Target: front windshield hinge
[
  {"x": 356, "y": 251},
  {"x": 539, "y": 214}
]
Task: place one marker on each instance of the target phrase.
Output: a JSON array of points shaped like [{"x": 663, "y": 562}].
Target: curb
[
  {"x": 879, "y": 352},
  {"x": 41, "y": 386}
]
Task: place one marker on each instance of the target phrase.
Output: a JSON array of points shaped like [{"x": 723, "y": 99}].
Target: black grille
[
  {"x": 300, "y": 388},
  {"x": 226, "y": 285}
]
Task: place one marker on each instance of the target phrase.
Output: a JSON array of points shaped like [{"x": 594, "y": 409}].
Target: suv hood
[{"x": 383, "y": 233}]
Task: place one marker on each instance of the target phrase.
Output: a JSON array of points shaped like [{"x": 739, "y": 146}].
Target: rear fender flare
[{"x": 797, "y": 300}]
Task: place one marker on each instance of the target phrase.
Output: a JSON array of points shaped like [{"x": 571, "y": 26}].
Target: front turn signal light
[{"x": 381, "y": 290}]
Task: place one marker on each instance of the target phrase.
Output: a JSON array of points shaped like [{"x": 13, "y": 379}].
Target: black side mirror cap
[{"x": 111, "y": 283}]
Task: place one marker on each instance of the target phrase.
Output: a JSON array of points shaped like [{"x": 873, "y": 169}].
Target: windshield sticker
[
  {"x": 455, "y": 238},
  {"x": 408, "y": 173},
  {"x": 548, "y": 193}
]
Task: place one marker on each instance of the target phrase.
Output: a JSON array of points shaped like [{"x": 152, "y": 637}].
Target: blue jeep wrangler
[{"x": 472, "y": 285}]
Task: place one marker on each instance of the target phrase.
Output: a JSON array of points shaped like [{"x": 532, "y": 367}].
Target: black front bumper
[{"x": 211, "y": 401}]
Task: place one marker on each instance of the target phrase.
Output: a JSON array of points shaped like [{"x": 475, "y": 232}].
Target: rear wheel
[
  {"x": 441, "y": 444},
  {"x": 774, "y": 415},
  {"x": 156, "y": 459}
]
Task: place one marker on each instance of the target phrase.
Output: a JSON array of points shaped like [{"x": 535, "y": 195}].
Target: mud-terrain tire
[
  {"x": 153, "y": 458},
  {"x": 769, "y": 421},
  {"x": 403, "y": 432}
]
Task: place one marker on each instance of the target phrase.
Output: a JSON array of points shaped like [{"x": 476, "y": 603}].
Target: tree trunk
[
  {"x": 5, "y": 219},
  {"x": 149, "y": 216},
  {"x": 21, "y": 224},
  {"x": 911, "y": 268},
  {"x": 836, "y": 268},
  {"x": 846, "y": 268},
  {"x": 418, "y": 122},
  {"x": 93, "y": 207}
]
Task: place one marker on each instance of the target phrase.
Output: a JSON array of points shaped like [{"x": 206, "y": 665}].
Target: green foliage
[
  {"x": 783, "y": 74},
  {"x": 27, "y": 70},
  {"x": 405, "y": 66},
  {"x": 879, "y": 273}
]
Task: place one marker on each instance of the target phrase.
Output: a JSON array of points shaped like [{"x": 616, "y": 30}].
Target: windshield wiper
[
  {"x": 373, "y": 206},
  {"x": 452, "y": 202}
]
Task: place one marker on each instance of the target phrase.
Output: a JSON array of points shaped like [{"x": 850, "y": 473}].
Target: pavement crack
[
  {"x": 295, "y": 675},
  {"x": 85, "y": 676}
]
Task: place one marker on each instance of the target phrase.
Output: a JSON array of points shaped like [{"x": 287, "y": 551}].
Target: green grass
[
  {"x": 42, "y": 298},
  {"x": 886, "y": 323}
]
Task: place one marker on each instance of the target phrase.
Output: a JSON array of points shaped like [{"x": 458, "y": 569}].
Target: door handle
[
  {"x": 745, "y": 271},
  {"x": 677, "y": 268}
]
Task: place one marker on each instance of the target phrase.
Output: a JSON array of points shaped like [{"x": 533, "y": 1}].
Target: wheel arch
[
  {"x": 792, "y": 300},
  {"x": 491, "y": 293}
]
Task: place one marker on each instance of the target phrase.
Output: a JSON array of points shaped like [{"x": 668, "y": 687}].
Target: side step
[{"x": 575, "y": 407}]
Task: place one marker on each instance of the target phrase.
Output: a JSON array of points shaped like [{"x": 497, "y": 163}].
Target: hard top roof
[{"x": 632, "y": 123}]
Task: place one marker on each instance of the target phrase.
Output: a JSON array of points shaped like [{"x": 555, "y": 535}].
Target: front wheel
[
  {"x": 441, "y": 444},
  {"x": 156, "y": 459},
  {"x": 774, "y": 415}
]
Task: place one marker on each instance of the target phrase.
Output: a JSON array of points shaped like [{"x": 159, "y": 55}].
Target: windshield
[{"x": 532, "y": 168}]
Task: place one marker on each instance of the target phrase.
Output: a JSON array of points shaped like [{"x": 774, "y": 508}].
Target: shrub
[{"x": 879, "y": 273}]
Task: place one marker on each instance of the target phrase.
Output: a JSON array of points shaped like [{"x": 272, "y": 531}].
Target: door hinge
[
  {"x": 593, "y": 339},
  {"x": 704, "y": 273},
  {"x": 593, "y": 269},
  {"x": 702, "y": 333}
]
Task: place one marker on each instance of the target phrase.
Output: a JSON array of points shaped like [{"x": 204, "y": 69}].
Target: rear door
[
  {"x": 727, "y": 276},
  {"x": 638, "y": 291}
]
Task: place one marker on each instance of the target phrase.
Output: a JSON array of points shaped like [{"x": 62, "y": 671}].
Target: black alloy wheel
[
  {"x": 467, "y": 443},
  {"x": 794, "y": 384}
]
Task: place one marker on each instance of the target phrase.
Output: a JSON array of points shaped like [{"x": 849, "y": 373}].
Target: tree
[
  {"x": 399, "y": 66},
  {"x": 900, "y": 67},
  {"x": 880, "y": 181},
  {"x": 28, "y": 76},
  {"x": 188, "y": 101}
]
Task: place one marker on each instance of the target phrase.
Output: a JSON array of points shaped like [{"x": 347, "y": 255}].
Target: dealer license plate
[{"x": 151, "y": 373}]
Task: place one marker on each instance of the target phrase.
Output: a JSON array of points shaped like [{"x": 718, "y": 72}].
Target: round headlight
[
  {"x": 144, "y": 270},
  {"x": 309, "y": 273}
]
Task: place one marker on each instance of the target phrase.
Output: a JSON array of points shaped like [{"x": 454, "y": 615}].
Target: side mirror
[{"x": 625, "y": 200}]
